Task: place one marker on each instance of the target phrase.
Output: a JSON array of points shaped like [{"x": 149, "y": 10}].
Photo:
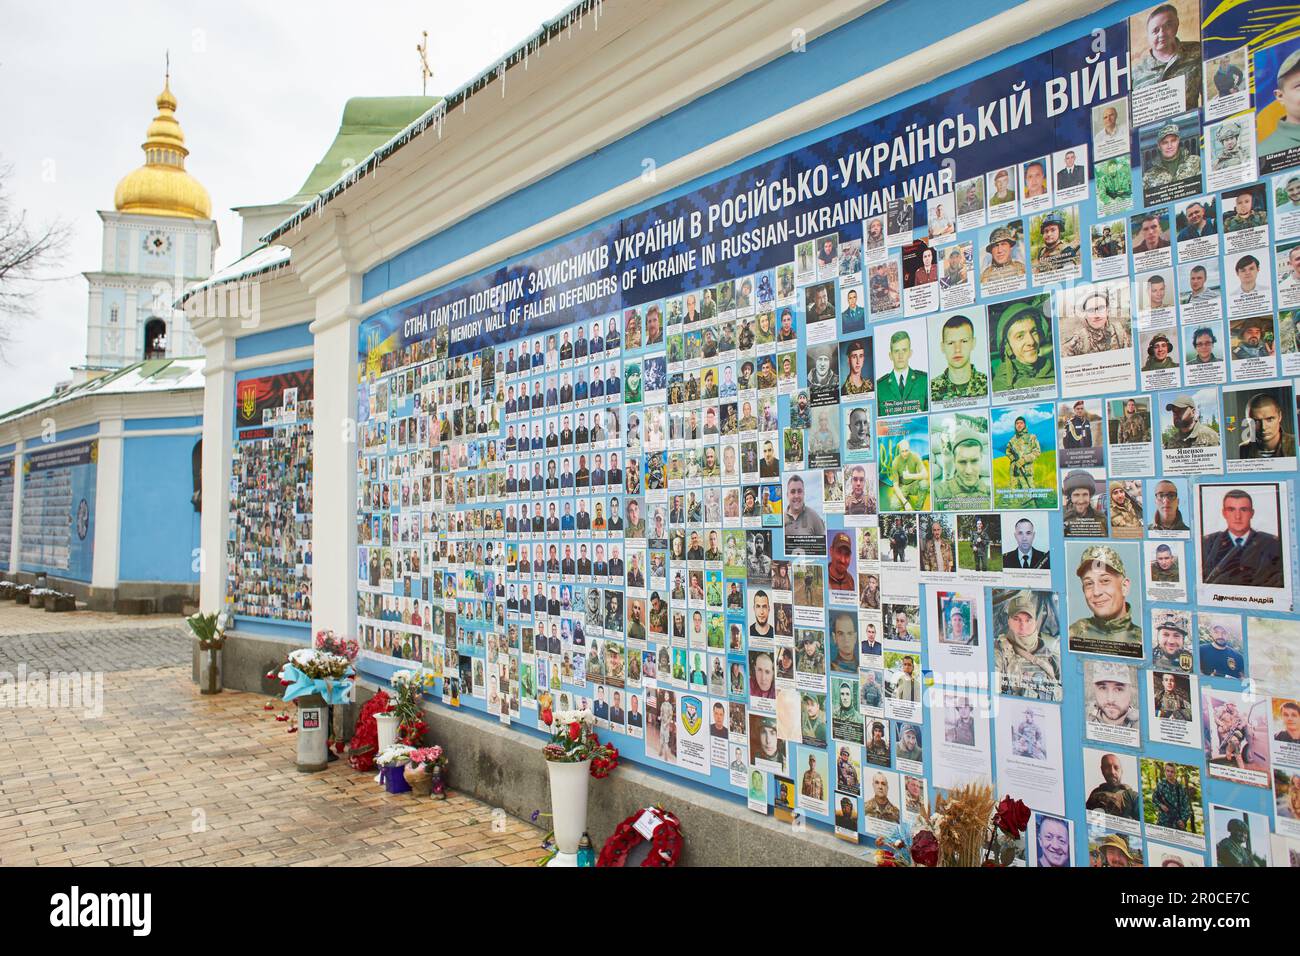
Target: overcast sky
[{"x": 260, "y": 88}]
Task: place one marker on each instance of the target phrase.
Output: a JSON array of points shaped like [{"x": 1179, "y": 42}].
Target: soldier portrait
[
  {"x": 1183, "y": 423},
  {"x": 1027, "y": 649},
  {"x": 1002, "y": 266},
  {"x": 938, "y": 543},
  {"x": 1239, "y": 837},
  {"x": 1244, "y": 209},
  {"x": 1097, "y": 319},
  {"x": 1171, "y": 159},
  {"x": 1279, "y": 94},
  {"x": 1171, "y": 647},
  {"x": 1021, "y": 346},
  {"x": 1165, "y": 50},
  {"x": 1105, "y": 609},
  {"x": 1111, "y": 712},
  {"x": 903, "y": 386},
  {"x": 1129, "y": 420},
  {"x": 1054, "y": 246},
  {"x": 1266, "y": 436},
  {"x": 1171, "y": 796},
  {"x": 1220, "y": 645},
  {"x": 1084, "y": 504},
  {"x": 1165, "y": 497},
  {"x": 961, "y": 471},
  {"x": 963, "y": 380},
  {"x": 1109, "y": 778},
  {"x": 1229, "y": 144},
  {"x": 1024, "y": 457},
  {"x": 1171, "y": 696}
]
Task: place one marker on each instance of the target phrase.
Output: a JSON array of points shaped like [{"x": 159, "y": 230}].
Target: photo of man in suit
[
  {"x": 1025, "y": 556},
  {"x": 902, "y": 390},
  {"x": 1241, "y": 555}
]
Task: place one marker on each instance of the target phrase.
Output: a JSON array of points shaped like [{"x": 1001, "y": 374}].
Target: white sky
[{"x": 260, "y": 88}]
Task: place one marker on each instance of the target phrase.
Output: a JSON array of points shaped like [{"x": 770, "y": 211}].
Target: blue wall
[
  {"x": 160, "y": 528},
  {"x": 275, "y": 340}
]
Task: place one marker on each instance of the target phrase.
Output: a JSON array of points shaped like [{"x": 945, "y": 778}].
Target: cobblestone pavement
[
  {"x": 166, "y": 776},
  {"x": 21, "y": 619}
]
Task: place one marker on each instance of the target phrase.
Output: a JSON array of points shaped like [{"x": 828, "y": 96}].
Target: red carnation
[
  {"x": 1012, "y": 817},
  {"x": 574, "y": 730},
  {"x": 925, "y": 849}
]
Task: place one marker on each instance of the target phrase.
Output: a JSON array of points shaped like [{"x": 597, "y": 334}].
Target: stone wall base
[{"x": 129, "y": 597}]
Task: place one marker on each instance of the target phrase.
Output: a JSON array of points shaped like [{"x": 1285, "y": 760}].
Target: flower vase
[
  {"x": 395, "y": 779},
  {"x": 209, "y": 669},
  {"x": 438, "y": 784},
  {"x": 569, "y": 788},
  {"x": 386, "y": 725},
  {"x": 417, "y": 778}
]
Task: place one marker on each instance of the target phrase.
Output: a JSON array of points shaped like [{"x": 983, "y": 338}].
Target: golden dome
[{"x": 162, "y": 187}]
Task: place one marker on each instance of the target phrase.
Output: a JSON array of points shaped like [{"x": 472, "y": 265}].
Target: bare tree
[{"x": 27, "y": 253}]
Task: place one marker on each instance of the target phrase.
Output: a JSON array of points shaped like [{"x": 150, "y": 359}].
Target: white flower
[{"x": 395, "y": 755}]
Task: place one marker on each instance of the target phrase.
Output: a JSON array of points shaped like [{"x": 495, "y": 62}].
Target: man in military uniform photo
[
  {"x": 1125, "y": 510},
  {"x": 857, "y": 501},
  {"x": 1244, "y": 215},
  {"x": 1170, "y": 702},
  {"x": 879, "y": 807},
  {"x": 968, "y": 485},
  {"x": 1168, "y": 516},
  {"x": 1113, "y": 796},
  {"x": 1002, "y": 267},
  {"x": 1113, "y": 696},
  {"x": 959, "y": 379},
  {"x": 1286, "y": 135},
  {"x": 846, "y": 775},
  {"x": 1081, "y": 517},
  {"x": 812, "y": 785},
  {"x": 1229, "y": 152},
  {"x": 1022, "y": 451},
  {"x": 1027, "y": 665},
  {"x": 1054, "y": 254},
  {"x": 1158, "y": 354},
  {"x": 909, "y": 744},
  {"x": 907, "y": 473},
  {"x": 1234, "y": 850},
  {"x": 1170, "y": 651},
  {"x": 1241, "y": 555},
  {"x": 1173, "y": 164},
  {"x": 1252, "y": 344},
  {"x": 937, "y": 552},
  {"x": 1271, "y": 439},
  {"x": 1078, "y": 428},
  {"x": 1168, "y": 57},
  {"x": 1173, "y": 800},
  {"x": 1218, "y": 659},
  {"x": 1105, "y": 585},
  {"x": 1023, "y": 339},
  {"x": 1135, "y": 426},
  {"x": 979, "y": 545},
  {"x": 1100, "y": 331},
  {"x": 1187, "y": 430},
  {"x": 1164, "y": 569},
  {"x": 902, "y": 389}
]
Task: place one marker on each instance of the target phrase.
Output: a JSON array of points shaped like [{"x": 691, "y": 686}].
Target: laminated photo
[
  {"x": 1204, "y": 354},
  {"x": 1166, "y": 498},
  {"x": 1080, "y": 434},
  {"x": 1114, "y": 179},
  {"x": 1231, "y": 148},
  {"x": 1161, "y": 367},
  {"x": 1244, "y": 547},
  {"x": 1150, "y": 232},
  {"x": 1071, "y": 178},
  {"x": 1109, "y": 249},
  {"x": 1106, "y": 610},
  {"x": 1259, "y": 427},
  {"x": 960, "y": 747},
  {"x": 1021, "y": 349},
  {"x": 957, "y": 280},
  {"x": 1200, "y": 292},
  {"x": 970, "y": 203},
  {"x": 1235, "y": 735},
  {"x": 1173, "y": 708},
  {"x": 1171, "y": 159},
  {"x": 960, "y": 337},
  {"x": 1110, "y": 129},
  {"x": 1029, "y": 752},
  {"x": 1027, "y": 644},
  {"x": 1111, "y": 710},
  {"x": 1132, "y": 452},
  {"x": 960, "y": 467},
  {"x": 1196, "y": 224},
  {"x": 1002, "y": 263},
  {"x": 1055, "y": 247},
  {"x": 1111, "y": 799},
  {"x": 1171, "y": 802},
  {"x": 1000, "y": 186},
  {"x": 1024, "y": 457},
  {"x": 1097, "y": 338},
  {"x": 1277, "y": 106},
  {"x": 1027, "y": 558},
  {"x": 1190, "y": 440},
  {"x": 885, "y": 289},
  {"x": 1227, "y": 84},
  {"x": 1165, "y": 60},
  {"x": 901, "y": 361},
  {"x": 1253, "y": 347}
]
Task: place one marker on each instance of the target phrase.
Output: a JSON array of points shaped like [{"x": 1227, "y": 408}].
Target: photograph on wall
[
  {"x": 1001, "y": 186},
  {"x": 1286, "y": 204},
  {"x": 1200, "y": 299},
  {"x": 885, "y": 287},
  {"x": 920, "y": 277},
  {"x": 1160, "y": 367},
  {"x": 1029, "y": 752},
  {"x": 1097, "y": 338},
  {"x": 1035, "y": 184},
  {"x": 1021, "y": 350},
  {"x": 1204, "y": 354},
  {"x": 1259, "y": 427},
  {"x": 1173, "y": 708},
  {"x": 1110, "y": 129},
  {"x": 1196, "y": 224},
  {"x": 1106, "y": 610},
  {"x": 1027, "y": 643},
  {"x": 1080, "y": 432},
  {"x": 1055, "y": 249},
  {"x": 1227, "y": 84},
  {"x": 1165, "y": 60},
  {"x": 1084, "y": 499},
  {"x": 1110, "y": 781},
  {"x": 1249, "y": 283},
  {"x": 1111, "y": 703},
  {"x": 1128, "y": 425},
  {"x": 901, "y": 361},
  {"x": 1245, "y": 541},
  {"x": 1109, "y": 249},
  {"x": 1166, "y": 571},
  {"x": 1235, "y": 735},
  {"x": 1071, "y": 174},
  {"x": 957, "y": 281},
  {"x": 1171, "y": 802},
  {"x": 1150, "y": 235},
  {"x": 1002, "y": 264},
  {"x": 1190, "y": 442},
  {"x": 960, "y": 748},
  {"x": 961, "y": 339},
  {"x": 903, "y": 456},
  {"x": 1024, "y": 457},
  {"x": 956, "y": 630},
  {"x": 1252, "y": 343},
  {"x": 1114, "y": 179},
  {"x": 1026, "y": 558},
  {"x": 1231, "y": 148},
  {"x": 1277, "y": 106},
  {"x": 1051, "y": 840},
  {"x": 1238, "y": 838},
  {"x": 1171, "y": 159},
  {"x": 960, "y": 468}
]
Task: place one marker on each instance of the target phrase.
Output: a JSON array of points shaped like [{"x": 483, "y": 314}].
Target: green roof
[{"x": 368, "y": 123}]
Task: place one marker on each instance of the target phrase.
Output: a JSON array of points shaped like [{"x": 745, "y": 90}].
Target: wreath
[
  {"x": 365, "y": 743},
  {"x": 665, "y": 847}
]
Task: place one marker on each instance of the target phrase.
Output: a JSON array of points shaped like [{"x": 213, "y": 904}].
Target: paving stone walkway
[{"x": 154, "y": 773}]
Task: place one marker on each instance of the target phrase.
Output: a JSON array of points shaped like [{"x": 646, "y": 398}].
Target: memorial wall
[
  {"x": 6, "y": 511},
  {"x": 56, "y": 527},
  {"x": 957, "y": 445}
]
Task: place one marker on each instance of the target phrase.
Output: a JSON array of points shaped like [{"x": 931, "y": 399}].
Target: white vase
[
  {"x": 386, "y": 724},
  {"x": 569, "y": 786}
]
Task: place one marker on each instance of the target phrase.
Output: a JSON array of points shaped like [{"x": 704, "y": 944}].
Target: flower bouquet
[
  {"x": 392, "y": 763},
  {"x": 967, "y": 828},
  {"x": 210, "y": 629},
  {"x": 312, "y": 671},
  {"x": 410, "y": 686},
  {"x": 425, "y": 771}
]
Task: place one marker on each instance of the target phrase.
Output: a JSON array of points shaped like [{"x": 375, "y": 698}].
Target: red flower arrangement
[
  {"x": 665, "y": 844},
  {"x": 365, "y": 741}
]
